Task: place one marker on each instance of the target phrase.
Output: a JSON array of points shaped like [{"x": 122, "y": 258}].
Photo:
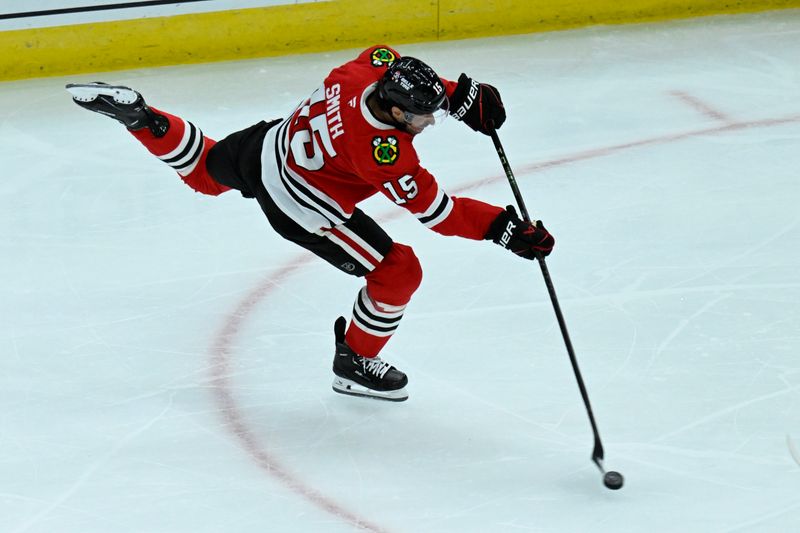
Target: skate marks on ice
[
  {"x": 765, "y": 517},
  {"x": 726, "y": 411},
  {"x": 91, "y": 471},
  {"x": 221, "y": 353}
]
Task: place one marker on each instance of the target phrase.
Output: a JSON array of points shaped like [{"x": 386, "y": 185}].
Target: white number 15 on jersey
[{"x": 407, "y": 185}]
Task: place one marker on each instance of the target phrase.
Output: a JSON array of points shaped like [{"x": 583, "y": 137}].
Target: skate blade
[
  {"x": 350, "y": 388},
  {"x": 89, "y": 91}
]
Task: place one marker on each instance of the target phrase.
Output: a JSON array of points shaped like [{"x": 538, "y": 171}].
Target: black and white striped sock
[
  {"x": 375, "y": 318},
  {"x": 183, "y": 159}
]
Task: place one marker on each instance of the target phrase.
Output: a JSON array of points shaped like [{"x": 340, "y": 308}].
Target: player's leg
[
  {"x": 178, "y": 143},
  {"x": 235, "y": 161},
  {"x": 360, "y": 247},
  {"x": 381, "y": 303},
  {"x": 378, "y": 309},
  {"x": 392, "y": 274}
]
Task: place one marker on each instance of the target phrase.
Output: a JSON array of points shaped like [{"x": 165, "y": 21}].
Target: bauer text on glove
[
  {"x": 478, "y": 105},
  {"x": 523, "y": 238}
]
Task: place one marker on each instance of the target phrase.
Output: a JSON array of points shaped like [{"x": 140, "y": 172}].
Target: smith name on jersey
[{"x": 332, "y": 153}]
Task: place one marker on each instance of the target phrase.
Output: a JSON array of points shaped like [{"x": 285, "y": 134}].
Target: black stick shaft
[
  {"x": 510, "y": 175},
  {"x": 597, "y": 453}
]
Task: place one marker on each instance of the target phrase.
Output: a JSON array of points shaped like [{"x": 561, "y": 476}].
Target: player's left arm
[
  {"x": 435, "y": 209},
  {"x": 467, "y": 217}
]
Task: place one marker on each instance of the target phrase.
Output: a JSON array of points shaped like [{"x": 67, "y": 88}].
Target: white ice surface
[{"x": 166, "y": 357}]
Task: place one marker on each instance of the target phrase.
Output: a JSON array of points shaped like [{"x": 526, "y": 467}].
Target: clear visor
[{"x": 421, "y": 121}]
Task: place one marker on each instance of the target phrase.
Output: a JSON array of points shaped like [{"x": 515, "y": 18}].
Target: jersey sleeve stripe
[
  {"x": 436, "y": 215},
  {"x": 437, "y": 201}
]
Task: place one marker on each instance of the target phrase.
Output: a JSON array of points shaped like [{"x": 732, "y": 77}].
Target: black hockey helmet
[{"x": 412, "y": 86}]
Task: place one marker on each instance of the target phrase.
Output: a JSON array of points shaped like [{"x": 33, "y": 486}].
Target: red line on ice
[
  {"x": 221, "y": 355},
  {"x": 221, "y": 350},
  {"x": 701, "y": 106}
]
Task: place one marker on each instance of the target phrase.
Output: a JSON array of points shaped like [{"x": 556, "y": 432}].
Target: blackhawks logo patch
[
  {"x": 382, "y": 56},
  {"x": 385, "y": 151}
]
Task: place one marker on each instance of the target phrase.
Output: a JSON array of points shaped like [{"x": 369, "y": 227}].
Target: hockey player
[{"x": 351, "y": 139}]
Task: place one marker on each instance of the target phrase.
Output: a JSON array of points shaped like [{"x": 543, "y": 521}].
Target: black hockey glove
[
  {"x": 522, "y": 238},
  {"x": 478, "y": 105}
]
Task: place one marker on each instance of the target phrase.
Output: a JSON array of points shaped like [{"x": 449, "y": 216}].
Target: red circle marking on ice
[{"x": 221, "y": 352}]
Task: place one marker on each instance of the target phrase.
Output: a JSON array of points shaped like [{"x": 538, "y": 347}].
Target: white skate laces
[{"x": 376, "y": 366}]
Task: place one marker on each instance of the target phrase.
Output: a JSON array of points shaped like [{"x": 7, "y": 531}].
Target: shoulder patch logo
[
  {"x": 382, "y": 56},
  {"x": 385, "y": 151}
]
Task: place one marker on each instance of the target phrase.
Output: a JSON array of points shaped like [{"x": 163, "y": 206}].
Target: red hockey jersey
[{"x": 332, "y": 153}]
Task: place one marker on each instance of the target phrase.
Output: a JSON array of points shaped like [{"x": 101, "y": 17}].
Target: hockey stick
[{"x": 612, "y": 480}]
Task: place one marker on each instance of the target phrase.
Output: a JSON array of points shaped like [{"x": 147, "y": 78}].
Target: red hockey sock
[
  {"x": 380, "y": 305},
  {"x": 185, "y": 149}
]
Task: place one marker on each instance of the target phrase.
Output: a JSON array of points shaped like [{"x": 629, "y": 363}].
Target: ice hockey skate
[
  {"x": 120, "y": 103},
  {"x": 369, "y": 377}
]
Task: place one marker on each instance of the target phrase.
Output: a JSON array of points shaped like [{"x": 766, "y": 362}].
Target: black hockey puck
[{"x": 613, "y": 480}]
